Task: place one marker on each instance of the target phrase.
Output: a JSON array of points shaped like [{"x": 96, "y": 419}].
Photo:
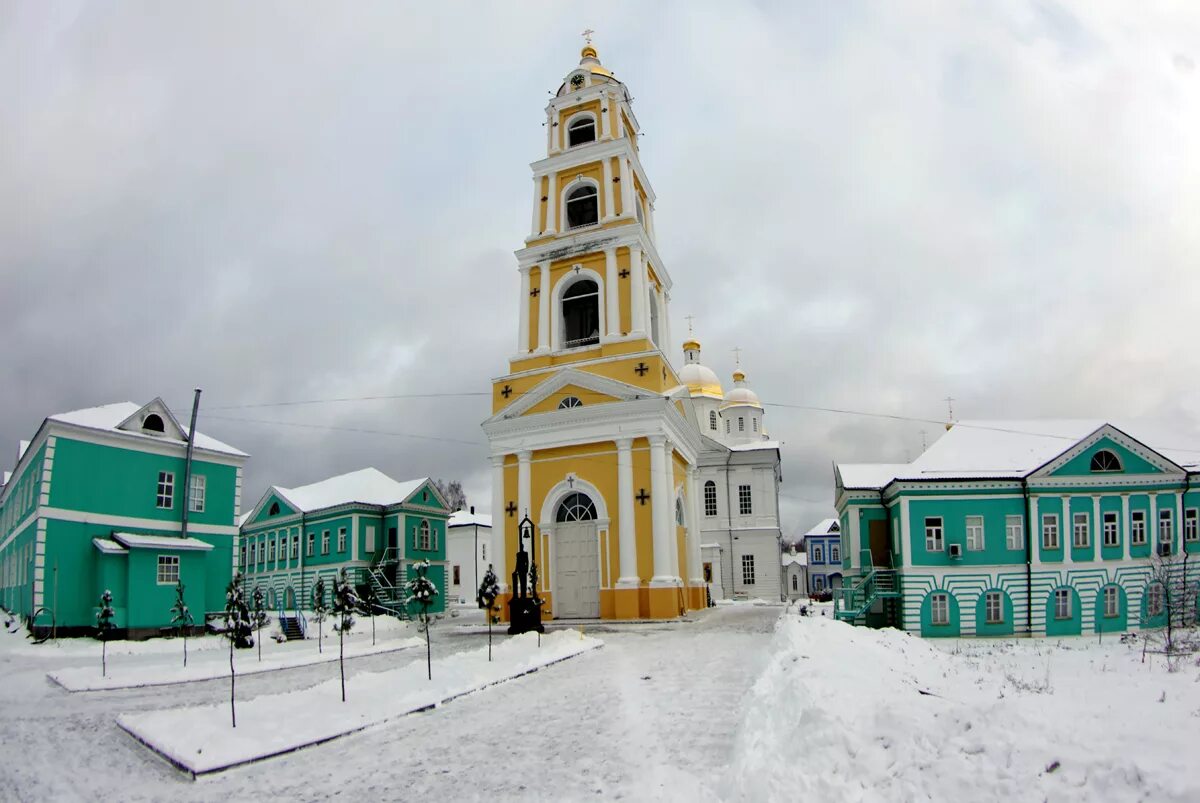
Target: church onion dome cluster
[
  {"x": 741, "y": 395},
  {"x": 700, "y": 379},
  {"x": 589, "y": 61}
]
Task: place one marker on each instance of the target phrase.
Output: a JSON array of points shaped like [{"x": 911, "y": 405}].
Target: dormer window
[
  {"x": 581, "y": 130},
  {"x": 1104, "y": 460},
  {"x": 568, "y": 402},
  {"x": 153, "y": 423},
  {"x": 274, "y": 511},
  {"x": 583, "y": 207}
]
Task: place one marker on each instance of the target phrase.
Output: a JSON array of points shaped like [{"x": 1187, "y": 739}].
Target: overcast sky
[{"x": 882, "y": 204}]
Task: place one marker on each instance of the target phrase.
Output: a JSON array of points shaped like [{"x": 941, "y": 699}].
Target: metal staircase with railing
[
  {"x": 874, "y": 584},
  {"x": 386, "y": 578},
  {"x": 293, "y": 625}
]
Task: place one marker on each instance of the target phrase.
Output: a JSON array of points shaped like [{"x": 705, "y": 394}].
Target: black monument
[{"x": 525, "y": 607}]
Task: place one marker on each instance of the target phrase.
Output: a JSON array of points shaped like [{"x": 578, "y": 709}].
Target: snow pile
[
  {"x": 844, "y": 713},
  {"x": 200, "y": 739}
]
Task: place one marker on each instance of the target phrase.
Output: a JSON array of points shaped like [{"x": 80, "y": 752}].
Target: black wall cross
[
  {"x": 641, "y": 369},
  {"x": 510, "y": 510},
  {"x": 506, "y": 392},
  {"x": 642, "y": 496}
]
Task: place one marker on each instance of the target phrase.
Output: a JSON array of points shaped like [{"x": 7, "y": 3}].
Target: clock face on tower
[{"x": 576, "y": 81}]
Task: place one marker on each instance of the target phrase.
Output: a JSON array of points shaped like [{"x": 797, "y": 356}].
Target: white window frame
[
  {"x": 311, "y": 545},
  {"x": 1063, "y": 604},
  {"x": 341, "y": 539},
  {"x": 1137, "y": 527},
  {"x": 710, "y": 499},
  {"x": 253, "y": 553},
  {"x": 242, "y": 556},
  {"x": 271, "y": 551},
  {"x": 835, "y": 553},
  {"x": 939, "y": 608},
  {"x": 171, "y": 564},
  {"x": 1014, "y": 532},
  {"x": 424, "y": 536},
  {"x": 295, "y": 546},
  {"x": 993, "y": 614},
  {"x": 1166, "y": 525},
  {"x": 935, "y": 534},
  {"x": 1112, "y": 528},
  {"x": 748, "y": 578},
  {"x": 1050, "y": 539},
  {"x": 745, "y": 501},
  {"x": 1156, "y": 601},
  {"x": 975, "y": 533},
  {"x": 1112, "y": 594},
  {"x": 196, "y": 495},
  {"x": 1191, "y": 524},
  {"x": 165, "y": 496},
  {"x": 712, "y": 420},
  {"x": 1081, "y": 535},
  {"x": 324, "y": 542},
  {"x": 817, "y": 554}
]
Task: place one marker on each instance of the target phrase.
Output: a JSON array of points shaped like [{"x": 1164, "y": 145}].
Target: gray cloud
[{"x": 881, "y": 205}]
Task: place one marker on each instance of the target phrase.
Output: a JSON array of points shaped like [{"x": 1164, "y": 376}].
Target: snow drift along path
[
  {"x": 880, "y": 715},
  {"x": 200, "y": 740},
  {"x": 214, "y": 664}
]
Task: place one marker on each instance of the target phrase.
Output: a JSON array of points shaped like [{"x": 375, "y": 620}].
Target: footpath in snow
[
  {"x": 201, "y": 740},
  {"x": 881, "y": 715}
]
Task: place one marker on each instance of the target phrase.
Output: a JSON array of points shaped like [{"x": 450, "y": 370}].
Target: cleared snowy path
[{"x": 652, "y": 715}]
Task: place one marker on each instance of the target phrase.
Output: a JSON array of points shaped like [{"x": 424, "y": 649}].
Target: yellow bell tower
[{"x": 591, "y": 433}]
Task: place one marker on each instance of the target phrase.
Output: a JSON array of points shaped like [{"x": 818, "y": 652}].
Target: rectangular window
[
  {"x": 1191, "y": 524},
  {"x": 166, "y": 490},
  {"x": 748, "y": 570},
  {"x": 1154, "y": 605},
  {"x": 271, "y": 551},
  {"x": 1165, "y": 526},
  {"x": 818, "y": 582},
  {"x": 308, "y": 549},
  {"x": 1014, "y": 532},
  {"x": 1050, "y": 531},
  {"x": 1062, "y": 603},
  {"x": 744, "y": 503},
  {"x": 1079, "y": 530},
  {"x": 295, "y": 546},
  {"x": 168, "y": 569},
  {"x": 457, "y": 576},
  {"x": 242, "y": 556},
  {"x": 1112, "y": 536},
  {"x": 1112, "y": 602},
  {"x": 262, "y": 551},
  {"x": 710, "y": 498},
  {"x": 253, "y": 554},
  {"x": 741, "y": 424},
  {"x": 370, "y": 539},
  {"x": 325, "y": 542},
  {"x": 994, "y": 608},
  {"x": 341, "y": 539},
  {"x": 817, "y": 554},
  {"x": 939, "y": 605},
  {"x": 834, "y": 553},
  {"x": 975, "y": 533},
  {"x": 1137, "y": 527},
  {"x": 934, "y": 534},
  {"x": 196, "y": 495}
]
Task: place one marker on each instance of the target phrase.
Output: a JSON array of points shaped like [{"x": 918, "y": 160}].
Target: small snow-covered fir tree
[
  {"x": 421, "y": 591},
  {"x": 181, "y": 617},
  {"x": 369, "y": 606},
  {"x": 237, "y": 630},
  {"x": 489, "y": 589},
  {"x": 345, "y": 603},
  {"x": 104, "y": 623},
  {"x": 259, "y": 619},
  {"x": 319, "y": 611}
]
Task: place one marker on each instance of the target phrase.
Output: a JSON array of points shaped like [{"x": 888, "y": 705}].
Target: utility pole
[{"x": 187, "y": 467}]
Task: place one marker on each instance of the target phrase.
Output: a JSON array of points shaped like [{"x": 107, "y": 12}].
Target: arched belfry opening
[{"x": 581, "y": 314}]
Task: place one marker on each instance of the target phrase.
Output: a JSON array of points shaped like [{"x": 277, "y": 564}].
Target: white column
[
  {"x": 607, "y": 178},
  {"x": 1177, "y": 527},
  {"x": 551, "y": 131},
  {"x": 1097, "y": 529},
  {"x": 605, "y": 116},
  {"x": 637, "y": 291},
  {"x": 627, "y": 531},
  {"x": 651, "y": 290},
  {"x": 544, "y": 307},
  {"x": 523, "y": 329},
  {"x": 1125, "y": 524},
  {"x": 535, "y": 225},
  {"x": 659, "y": 500},
  {"x": 500, "y": 523},
  {"x": 664, "y": 325},
  {"x": 552, "y": 203},
  {"x": 1066, "y": 530},
  {"x": 611, "y": 287},
  {"x": 650, "y": 221},
  {"x": 523, "y": 492},
  {"x": 626, "y": 189},
  {"x": 694, "y": 573}
]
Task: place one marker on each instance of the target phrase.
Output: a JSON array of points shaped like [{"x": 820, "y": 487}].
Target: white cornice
[
  {"x": 140, "y": 443},
  {"x": 581, "y": 155},
  {"x": 593, "y": 240}
]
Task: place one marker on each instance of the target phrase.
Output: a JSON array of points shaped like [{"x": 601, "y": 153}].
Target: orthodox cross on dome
[
  {"x": 642, "y": 496},
  {"x": 949, "y": 400},
  {"x": 587, "y": 36},
  {"x": 737, "y": 357},
  {"x": 511, "y": 510},
  {"x": 689, "y": 319}
]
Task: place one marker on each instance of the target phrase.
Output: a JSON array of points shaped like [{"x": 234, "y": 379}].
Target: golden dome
[
  {"x": 691, "y": 345},
  {"x": 589, "y": 51},
  {"x": 739, "y": 376},
  {"x": 589, "y": 59}
]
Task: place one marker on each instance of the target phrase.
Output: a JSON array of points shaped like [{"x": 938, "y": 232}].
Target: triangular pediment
[
  {"x": 427, "y": 495},
  {"x": 545, "y": 396},
  {"x": 154, "y": 419},
  {"x": 273, "y": 505},
  {"x": 1123, "y": 455}
]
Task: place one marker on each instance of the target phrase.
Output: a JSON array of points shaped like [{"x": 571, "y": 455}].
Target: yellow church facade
[{"x": 592, "y": 434}]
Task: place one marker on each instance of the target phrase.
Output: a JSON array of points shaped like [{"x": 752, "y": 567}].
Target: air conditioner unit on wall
[{"x": 956, "y": 550}]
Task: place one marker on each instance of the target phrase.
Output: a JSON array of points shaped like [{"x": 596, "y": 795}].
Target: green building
[
  {"x": 364, "y": 522},
  {"x": 96, "y": 502},
  {"x": 1022, "y": 527}
]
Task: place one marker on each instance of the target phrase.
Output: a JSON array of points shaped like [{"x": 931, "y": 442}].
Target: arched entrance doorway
[{"x": 576, "y": 559}]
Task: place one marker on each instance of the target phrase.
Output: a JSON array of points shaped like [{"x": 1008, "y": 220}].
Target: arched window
[
  {"x": 583, "y": 207},
  {"x": 568, "y": 402},
  {"x": 712, "y": 420},
  {"x": 653, "y": 317},
  {"x": 274, "y": 511},
  {"x": 153, "y": 423},
  {"x": 795, "y": 583},
  {"x": 710, "y": 498},
  {"x": 576, "y": 507},
  {"x": 581, "y": 314},
  {"x": 581, "y": 130},
  {"x": 679, "y": 512},
  {"x": 1104, "y": 460}
]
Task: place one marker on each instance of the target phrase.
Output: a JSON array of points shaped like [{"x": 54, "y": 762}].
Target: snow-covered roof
[
  {"x": 108, "y": 547},
  {"x": 825, "y": 527},
  {"x": 465, "y": 518},
  {"x": 22, "y": 447},
  {"x": 800, "y": 558},
  {"x": 245, "y": 517},
  {"x": 368, "y": 486},
  {"x": 107, "y": 418},
  {"x": 749, "y": 447},
  {"x": 711, "y": 546},
  {"x": 7, "y": 477},
  {"x": 138, "y": 541}
]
